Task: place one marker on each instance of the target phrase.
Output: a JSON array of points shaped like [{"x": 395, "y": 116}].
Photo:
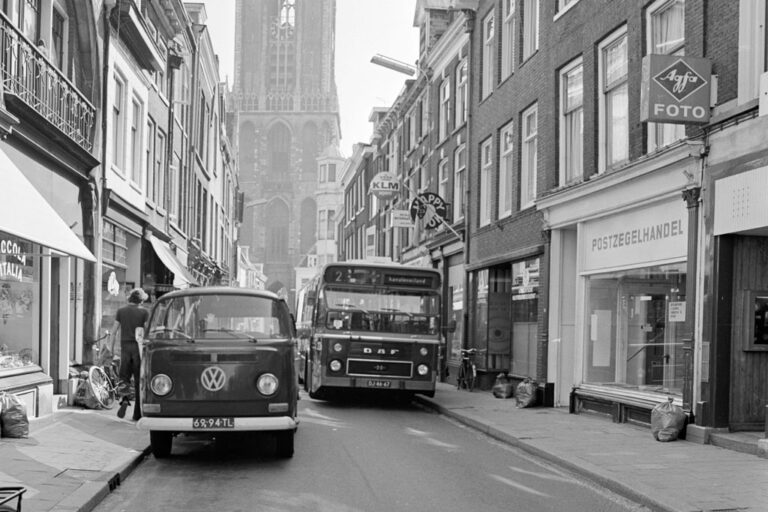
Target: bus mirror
[{"x": 451, "y": 327}]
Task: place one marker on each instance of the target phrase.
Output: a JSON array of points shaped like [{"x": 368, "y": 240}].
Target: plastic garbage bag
[
  {"x": 667, "y": 421},
  {"x": 526, "y": 392},
  {"x": 502, "y": 388},
  {"x": 13, "y": 417},
  {"x": 84, "y": 396}
]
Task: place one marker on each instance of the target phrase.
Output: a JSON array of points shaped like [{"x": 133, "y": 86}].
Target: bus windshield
[{"x": 384, "y": 310}]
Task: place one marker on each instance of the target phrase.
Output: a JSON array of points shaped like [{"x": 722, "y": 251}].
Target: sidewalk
[
  {"x": 73, "y": 458},
  {"x": 678, "y": 476}
]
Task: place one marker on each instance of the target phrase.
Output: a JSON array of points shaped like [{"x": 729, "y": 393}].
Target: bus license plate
[
  {"x": 379, "y": 384},
  {"x": 209, "y": 422}
]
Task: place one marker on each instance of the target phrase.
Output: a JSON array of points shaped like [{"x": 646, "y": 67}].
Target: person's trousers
[{"x": 130, "y": 366}]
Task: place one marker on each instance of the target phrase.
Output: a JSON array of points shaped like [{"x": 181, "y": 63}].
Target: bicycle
[{"x": 467, "y": 369}]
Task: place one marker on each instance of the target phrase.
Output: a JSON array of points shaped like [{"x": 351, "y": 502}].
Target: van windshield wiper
[{"x": 236, "y": 334}]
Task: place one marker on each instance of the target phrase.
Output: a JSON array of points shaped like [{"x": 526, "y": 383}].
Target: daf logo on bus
[{"x": 381, "y": 351}]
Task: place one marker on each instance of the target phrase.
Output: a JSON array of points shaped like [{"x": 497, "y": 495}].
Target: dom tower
[{"x": 287, "y": 115}]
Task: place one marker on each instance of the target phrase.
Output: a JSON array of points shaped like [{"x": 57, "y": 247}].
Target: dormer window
[{"x": 288, "y": 13}]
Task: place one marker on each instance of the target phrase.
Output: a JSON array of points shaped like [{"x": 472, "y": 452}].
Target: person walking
[{"x": 130, "y": 321}]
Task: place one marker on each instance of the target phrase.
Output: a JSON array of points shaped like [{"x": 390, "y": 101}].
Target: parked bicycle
[{"x": 467, "y": 369}]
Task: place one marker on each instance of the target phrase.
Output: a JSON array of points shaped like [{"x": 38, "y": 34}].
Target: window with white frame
[
  {"x": 424, "y": 112},
  {"x": 753, "y": 48},
  {"x": 528, "y": 164},
  {"x": 118, "y": 120},
  {"x": 133, "y": 167},
  {"x": 461, "y": 93},
  {"x": 562, "y": 4},
  {"x": 158, "y": 192},
  {"x": 665, "y": 22},
  {"x": 445, "y": 109},
  {"x": 459, "y": 181},
  {"x": 322, "y": 176},
  {"x": 322, "y": 224},
  {"x": 486, "y": 174},
  {"x": 613, "y": 101},
  {"x": 412, "y": 128},
  {"x": 508, "y": 38},
  {"x": 530, "y": 27},
  {"x": 572, "y": 122},
  {"x": 330, "y": 231},
  {"x": 442, "y": 174},
  {"x": 506, "y": 170},
  {"x": 489, "y": 56},
  {"x": 149, "y": 157}
]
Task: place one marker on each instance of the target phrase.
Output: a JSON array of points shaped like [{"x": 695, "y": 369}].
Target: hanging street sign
[
  {"x": 401, "y": 219},
  {"x": 385, "y": 185},
  {"x": 430, "y": 207},
  {"x": 675, "y": 89}
]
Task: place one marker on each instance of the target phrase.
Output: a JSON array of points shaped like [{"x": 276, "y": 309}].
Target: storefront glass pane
[
  {"x": 19, "y": 304},
  {"x": 525, "y": 307},
  {"x": 478, "y": 337},
  {"x": 634, "y": 328}
]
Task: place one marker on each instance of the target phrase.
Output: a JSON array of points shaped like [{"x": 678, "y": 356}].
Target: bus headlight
[
  {"x": 422, "y": 369},
  {"x": 335, "y": 365},
  {"x": 267, "y": 384},
  {"x": 423, "y": 351},
  {"x": 161, "y": 384},
  {"x": 338, "y": 347}
]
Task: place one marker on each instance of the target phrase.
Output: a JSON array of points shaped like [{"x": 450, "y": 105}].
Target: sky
[{"x": 363, "y": 29}]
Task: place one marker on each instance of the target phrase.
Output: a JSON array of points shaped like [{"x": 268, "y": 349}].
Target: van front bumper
[{"x": 240, "y": 424}]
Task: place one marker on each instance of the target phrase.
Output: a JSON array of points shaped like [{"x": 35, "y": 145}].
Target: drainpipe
[
  {"x": 103, "y": 192},
  {"x": 469, "y": 23}
]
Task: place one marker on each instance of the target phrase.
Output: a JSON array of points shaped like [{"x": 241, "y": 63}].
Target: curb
[
  {"x": 89, "y": 495},
  {"x": 641, "y": 498}
]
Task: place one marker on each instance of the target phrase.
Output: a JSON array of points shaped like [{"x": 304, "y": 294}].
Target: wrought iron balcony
[{"x": 28, "y": 75}]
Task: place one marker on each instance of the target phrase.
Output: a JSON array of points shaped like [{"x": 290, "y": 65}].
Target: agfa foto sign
[
  {"x": 385, "y": 185},
  {"x": 675, "y": 89}
]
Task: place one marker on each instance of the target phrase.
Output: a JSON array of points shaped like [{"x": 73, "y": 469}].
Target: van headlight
[
  {"x": 422, "y": 369},
  {"x": 161, "y": 384},
  {"x": 267, "y": 384},
  {"x": 424, "y": 351},
  {"x": 335, "y": 365}
]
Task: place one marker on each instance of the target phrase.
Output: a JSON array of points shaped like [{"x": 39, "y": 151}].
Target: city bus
[{"x": 370, "y": 326}]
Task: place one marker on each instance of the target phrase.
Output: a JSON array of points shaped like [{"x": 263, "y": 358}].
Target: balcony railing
[
  {"x": 286, "y": 101},
  {"x": 29, "y": 75}
]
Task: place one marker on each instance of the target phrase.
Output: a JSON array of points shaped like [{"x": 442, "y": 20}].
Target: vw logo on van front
[{"x": 213, "y": 378}]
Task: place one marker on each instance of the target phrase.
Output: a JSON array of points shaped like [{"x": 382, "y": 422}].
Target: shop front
[
  {"x": 633, "y": 273},
  {"x": 621, "y": 300},
  {"x": 504, "y": 318},
  {"x": 41, "y": 281}
]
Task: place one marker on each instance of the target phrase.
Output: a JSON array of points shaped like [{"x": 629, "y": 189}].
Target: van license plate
[
  {"x": 379, "y": 384},
  {"x": 209, "y": 422}
]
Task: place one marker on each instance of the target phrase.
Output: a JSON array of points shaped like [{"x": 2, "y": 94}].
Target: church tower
[{"x": 287, "y": 114}]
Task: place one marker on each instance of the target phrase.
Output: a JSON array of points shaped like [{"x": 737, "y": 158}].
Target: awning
[
  {"x": 25, "y": 213},
  {"x": 181, "y": 276}
]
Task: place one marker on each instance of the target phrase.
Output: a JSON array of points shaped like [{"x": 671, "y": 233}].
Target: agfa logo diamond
[{"x": 680, "y": 80}]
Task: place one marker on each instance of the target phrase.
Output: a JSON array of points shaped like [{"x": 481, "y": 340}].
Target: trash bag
[
  {"x": 502, "y": 388},
  {"x": 667, "y": 421},
  {"x": 84, "y": 396},
  {"x": 526, "y": 393},
  {"x": 13, "y": 417}
]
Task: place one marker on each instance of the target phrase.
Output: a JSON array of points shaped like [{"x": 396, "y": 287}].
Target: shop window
[
  {"x": 19, "y": 305},
  {"x": 757, "y": 302},
  {"x": 634, "y": 329}
]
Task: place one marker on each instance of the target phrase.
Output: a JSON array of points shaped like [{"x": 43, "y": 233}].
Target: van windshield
[{"x": 220, "y": 317}]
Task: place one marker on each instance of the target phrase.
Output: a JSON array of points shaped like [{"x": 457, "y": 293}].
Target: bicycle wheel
[
  {"x": 101, "y": 387},
  {"x": 462, "y": 376}
]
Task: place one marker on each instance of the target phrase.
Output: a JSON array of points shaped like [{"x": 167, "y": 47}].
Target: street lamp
[{"x": 394, "y": 64}]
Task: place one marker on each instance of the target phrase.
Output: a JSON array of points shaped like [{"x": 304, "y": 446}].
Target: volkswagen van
[{"x": 218, "y": 360}]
